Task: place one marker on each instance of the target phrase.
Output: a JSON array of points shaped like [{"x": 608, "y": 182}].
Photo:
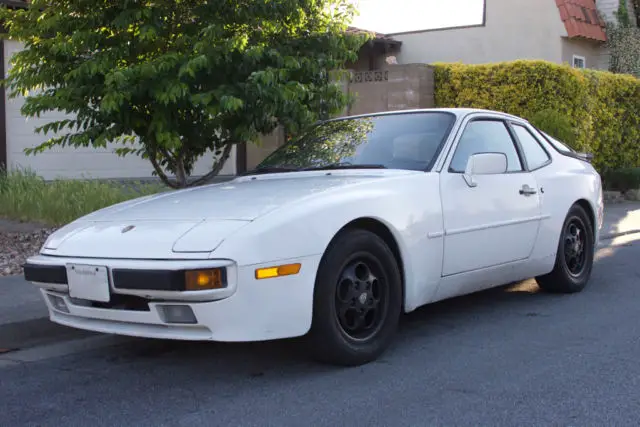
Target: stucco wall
[
  {"x": 515, "y": 29},
  {"x": 591, "y": 51}
]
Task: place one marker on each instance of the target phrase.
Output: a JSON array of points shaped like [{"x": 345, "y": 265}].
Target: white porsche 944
[{"x": 334, "y": 236}]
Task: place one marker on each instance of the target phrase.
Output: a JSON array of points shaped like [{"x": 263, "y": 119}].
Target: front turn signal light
[
  {"x": 199, "y": 280},
  {"x": 277, "y": 271}
]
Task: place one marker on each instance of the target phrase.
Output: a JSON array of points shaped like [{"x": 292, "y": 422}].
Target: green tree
[
  {"x": 622, "y": 14},
  {"x": 171, "y": 80}
]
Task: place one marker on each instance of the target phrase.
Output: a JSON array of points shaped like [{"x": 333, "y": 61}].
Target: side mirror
[{"x": 484, "y": 164}]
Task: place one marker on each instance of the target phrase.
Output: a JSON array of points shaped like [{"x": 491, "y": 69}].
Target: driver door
[{"x": 495, "y": 222}]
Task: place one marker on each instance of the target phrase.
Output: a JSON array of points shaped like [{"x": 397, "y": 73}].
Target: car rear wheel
[
  {"x": 357, "y": 300},
  {"x": 574, "y": 259}
]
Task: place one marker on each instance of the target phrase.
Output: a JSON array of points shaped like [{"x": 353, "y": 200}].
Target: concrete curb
[{"x": 622, "y": 233}]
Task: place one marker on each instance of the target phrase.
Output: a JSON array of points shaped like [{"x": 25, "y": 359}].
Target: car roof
[{"x": 459, "y": 112}]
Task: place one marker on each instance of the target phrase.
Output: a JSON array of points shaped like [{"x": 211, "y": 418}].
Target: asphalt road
[{"x": 512, "y": 356}]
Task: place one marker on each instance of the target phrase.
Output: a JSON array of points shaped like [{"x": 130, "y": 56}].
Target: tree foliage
[
  {"x": 624, "y": 42},
  {"x": 172, "y": 80}
]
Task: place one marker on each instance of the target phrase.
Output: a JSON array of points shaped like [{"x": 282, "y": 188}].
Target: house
[{"x": 560, "y": 31}]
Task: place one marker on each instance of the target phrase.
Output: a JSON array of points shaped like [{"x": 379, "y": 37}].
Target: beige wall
[
  {"x": 515, "y": 29},
  {"x": 268, "y": 143},
  {"x": 399, "y": 87},
  {"x": 590, "y": 50}
]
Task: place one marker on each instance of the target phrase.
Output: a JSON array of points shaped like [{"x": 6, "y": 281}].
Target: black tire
[
  {"x": 350, "y": 255},
  {"x": 574, "y": 261}
]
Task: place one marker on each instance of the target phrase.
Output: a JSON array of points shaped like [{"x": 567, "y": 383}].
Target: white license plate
[{"x": 88, "y": 282}]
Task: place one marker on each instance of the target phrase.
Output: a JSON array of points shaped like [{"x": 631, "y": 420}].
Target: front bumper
[{"x": 247, "y": 309}]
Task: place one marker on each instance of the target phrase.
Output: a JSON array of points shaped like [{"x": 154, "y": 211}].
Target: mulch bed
[{"x": 18, "y": 241}]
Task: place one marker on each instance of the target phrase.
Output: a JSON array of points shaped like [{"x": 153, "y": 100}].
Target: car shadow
[
  {"x": 514, "y": 305},
  {"x": 280, "y": 357}
]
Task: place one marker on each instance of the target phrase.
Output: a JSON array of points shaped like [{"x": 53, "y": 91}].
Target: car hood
[
  {"x": 245, "y": 198},
  {"x": 173, "y": 224}
]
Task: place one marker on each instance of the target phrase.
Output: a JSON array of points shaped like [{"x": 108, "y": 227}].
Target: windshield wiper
[
  {"x": 344, "y": 165},
  {"x": 272, "y": 169}
]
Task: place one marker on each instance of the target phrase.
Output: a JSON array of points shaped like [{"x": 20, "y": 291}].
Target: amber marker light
[
  {"x": 277, "y": 271},
  {"x": 198, "y": 280}
]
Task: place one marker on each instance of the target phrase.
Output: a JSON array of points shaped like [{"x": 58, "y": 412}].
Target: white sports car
[{"x": 334, "y": 236}]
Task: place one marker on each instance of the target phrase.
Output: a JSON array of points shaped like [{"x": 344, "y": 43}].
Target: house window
[{"x": 579, "y": 62}]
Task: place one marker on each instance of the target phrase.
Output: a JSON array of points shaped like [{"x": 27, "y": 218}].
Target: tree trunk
[
  {"x": 181, "y": 174},
  {"x": 160, "y": 172},
  {"x": 217, "y": 167}
]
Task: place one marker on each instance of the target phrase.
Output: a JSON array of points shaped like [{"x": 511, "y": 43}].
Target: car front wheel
[
  {"x": 357, "y": 300},
  {"x": 574, "y": 259}
]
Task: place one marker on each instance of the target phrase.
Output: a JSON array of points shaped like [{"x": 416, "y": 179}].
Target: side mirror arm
[
  {"x": 469, "y": 180},
  {"x": 468, "y": 174}
]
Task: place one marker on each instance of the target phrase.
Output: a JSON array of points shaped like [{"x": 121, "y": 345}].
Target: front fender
[{"x": 409, "y": 206}]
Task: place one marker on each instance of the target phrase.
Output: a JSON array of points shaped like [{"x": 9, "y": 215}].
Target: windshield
[{"x": 395, "y": 141}]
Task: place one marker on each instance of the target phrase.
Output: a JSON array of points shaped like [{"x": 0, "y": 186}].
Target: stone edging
[{"x": 621, "y": 196}]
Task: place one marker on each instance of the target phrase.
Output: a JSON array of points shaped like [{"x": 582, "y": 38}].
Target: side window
[
  {"x": 533, "y": 152},
  {"x": 485, "y": 136}
]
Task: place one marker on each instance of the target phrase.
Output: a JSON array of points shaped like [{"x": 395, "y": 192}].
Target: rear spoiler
[{"x": 587, "y": 157}]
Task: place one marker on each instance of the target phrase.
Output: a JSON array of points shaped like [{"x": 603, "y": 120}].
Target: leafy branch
[{"x": 174, "y": 80}]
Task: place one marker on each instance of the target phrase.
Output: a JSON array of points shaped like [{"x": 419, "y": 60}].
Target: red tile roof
[{"x": 581, "y": 19}]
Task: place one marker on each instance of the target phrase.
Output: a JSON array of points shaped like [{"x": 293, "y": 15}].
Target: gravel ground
[{"x": 18, "y": 241}]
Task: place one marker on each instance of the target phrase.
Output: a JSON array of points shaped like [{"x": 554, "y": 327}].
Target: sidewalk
[
  {"x": 24, "y": 321},
  {"x": 21, "y": 302},
  {"x": 621, "y": 218}
]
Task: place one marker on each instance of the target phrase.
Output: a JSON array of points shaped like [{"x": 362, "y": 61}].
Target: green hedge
[
  {"x": 623, "y": 179},
  {"x": 593, "y": 111}
]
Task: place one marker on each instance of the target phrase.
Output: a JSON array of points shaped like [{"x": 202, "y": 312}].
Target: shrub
[
  {"x": 594, "y": 111},
  {"x": 615, "y": 108},
  {"x": 621, "y": 179},
  {"x": 25, "y": 196},
  {"x": 555, "y": 124}
]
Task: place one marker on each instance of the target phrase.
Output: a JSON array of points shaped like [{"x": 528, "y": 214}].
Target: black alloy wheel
[
  {"x": 362, "y": 297},
  {"x": 575, "y": 233},
  {"x": 357, "y": 300},
  {"x": 574, "y": 257}
]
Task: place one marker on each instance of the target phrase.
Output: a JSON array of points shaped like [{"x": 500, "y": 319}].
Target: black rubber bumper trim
[
  {"x": 54, "y": 274},
  {"x": 153, "y": 280}
]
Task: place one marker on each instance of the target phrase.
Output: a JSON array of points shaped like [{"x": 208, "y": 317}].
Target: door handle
[{"x": 527, "y": 191}]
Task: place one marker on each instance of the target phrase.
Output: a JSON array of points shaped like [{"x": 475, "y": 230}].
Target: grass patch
[{"x": 24, "y": 196}]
